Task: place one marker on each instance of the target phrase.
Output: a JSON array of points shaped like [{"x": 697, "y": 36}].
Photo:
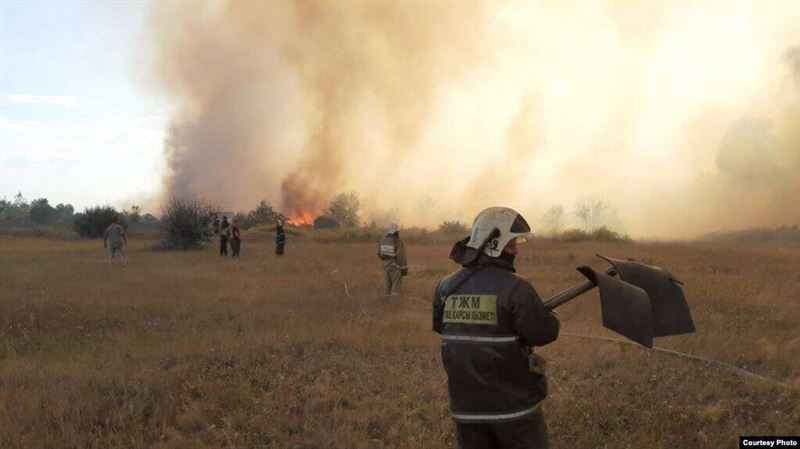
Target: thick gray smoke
[
  {"x": 341, "y": 79},
  {"x": 365, "y": 68},
  {"x": 464, "y": 105}
]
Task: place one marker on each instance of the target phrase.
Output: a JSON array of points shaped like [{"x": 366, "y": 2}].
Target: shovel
[{"x": 638, "y": 301}]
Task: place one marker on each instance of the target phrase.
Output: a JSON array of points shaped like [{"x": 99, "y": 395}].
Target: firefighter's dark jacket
[{"x": 487, "y": 362}]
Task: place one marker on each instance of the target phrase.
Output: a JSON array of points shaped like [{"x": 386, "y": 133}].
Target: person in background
[
  {"x": 392, "y": 254},
  {"x": 236, "y": 242},
  {"x": 216, "y": 224},
  {"x": 115, "y": 236},
  {"x": 280, "y": 238},
  {"x": 224, "y": 236}
]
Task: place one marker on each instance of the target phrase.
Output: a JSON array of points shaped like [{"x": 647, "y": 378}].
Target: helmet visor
[{"x": 520, "y": 226}]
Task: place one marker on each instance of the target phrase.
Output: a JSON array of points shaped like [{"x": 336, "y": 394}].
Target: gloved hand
[{"x": 404, "y": 272}]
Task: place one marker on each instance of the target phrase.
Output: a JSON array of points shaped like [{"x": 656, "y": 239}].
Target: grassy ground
[{"x": 190, "y": 350}]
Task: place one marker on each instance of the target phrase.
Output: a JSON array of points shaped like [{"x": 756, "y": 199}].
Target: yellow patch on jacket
[{"x": 470, "y": 309}]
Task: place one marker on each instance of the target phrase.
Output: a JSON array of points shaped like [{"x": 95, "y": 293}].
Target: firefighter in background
[
  {"x": 236, "y": 238},
  {"x": 280, "y": 238},
  {"x": 216, "y": 224},
  {"x": 224, "y": 236},
  {"x": 490, "y": 319},
  {"x": 392, "y": 253}
]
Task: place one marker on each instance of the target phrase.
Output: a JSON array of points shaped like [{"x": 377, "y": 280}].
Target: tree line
[
  {"x": 186, "y": 223},
  {"x": 19, "y": 212}
]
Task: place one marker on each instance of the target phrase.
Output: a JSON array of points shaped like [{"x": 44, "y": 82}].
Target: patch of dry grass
[{"x": 189, "y": 350}]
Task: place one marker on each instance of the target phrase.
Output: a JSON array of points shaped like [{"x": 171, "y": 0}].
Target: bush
[
  {"x": 323, "y": 222},
  {"x": 453, "y": 227},
  {"x": 133, "y": 216},
  {"x": 604, "y": 234},
  {"x": 781, "y": 234},
  {"x": 186, "y": 223},
  {"x": 64, "y": 213},
  {"x": 601, "y": 234},
  {"x": 41, "y": 212},
  {"x": 92, "y": 222},
  {"x": 149, "y": 219},
  {"x": 14, "y": 213},
  {"x": 416, "y": 234},
  {"x": 263, "y": 214},
  {"x": 344, "y": 209}
]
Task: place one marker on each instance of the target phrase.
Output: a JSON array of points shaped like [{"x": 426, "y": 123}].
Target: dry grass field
[{"x": 190, "y": 350}]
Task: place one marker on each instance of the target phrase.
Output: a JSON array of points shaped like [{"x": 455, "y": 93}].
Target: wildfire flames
[{"x": 300, "y": 219}]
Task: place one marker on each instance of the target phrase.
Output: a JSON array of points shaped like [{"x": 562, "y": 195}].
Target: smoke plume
[{"x": 684, "y": 116}]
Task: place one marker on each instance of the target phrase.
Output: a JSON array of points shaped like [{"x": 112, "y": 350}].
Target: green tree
[
  {"x": 133, "y": 215},
  {"x": 41, "y": 212},
  {"x": 14, "y": 213},
  {"x": 64, "y": 213},
  {"x": 323, "y": 222},
  {"x": 19, "y": 200},
  {"x": 344, "y": 208},
  {"x": 186, "y": 223},
  {"x": 93, "y": 221},
  {"x": 264, "y": 213}
]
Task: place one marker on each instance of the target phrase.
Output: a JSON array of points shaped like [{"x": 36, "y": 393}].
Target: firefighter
[
  {"x": 236, "y": 238},
  {"x": 490, "y": 319},
  {"x": 216, "y": 224},
  {"x": 224, "y": 236},
  {"x": 392, "y": 254},
  {"x": 280, "y": 238}
]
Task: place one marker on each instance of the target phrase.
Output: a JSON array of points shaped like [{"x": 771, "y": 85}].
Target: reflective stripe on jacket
[
  {"x": 391, "y": 251},
  {"x": 488, "y": 324}
]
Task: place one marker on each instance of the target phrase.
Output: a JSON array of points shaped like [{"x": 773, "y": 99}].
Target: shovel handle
[{"x": 573, "y": 292}]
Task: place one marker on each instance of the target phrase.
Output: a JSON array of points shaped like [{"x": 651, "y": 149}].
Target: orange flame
[{"x": 300, "y": 219}]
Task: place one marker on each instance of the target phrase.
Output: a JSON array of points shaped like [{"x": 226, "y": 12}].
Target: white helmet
[
  {"x": 498, "y": 225},
  {"x": 391, "y": 229}
]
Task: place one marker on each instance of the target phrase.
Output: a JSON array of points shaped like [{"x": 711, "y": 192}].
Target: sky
[{"x": 77, "y": 124}]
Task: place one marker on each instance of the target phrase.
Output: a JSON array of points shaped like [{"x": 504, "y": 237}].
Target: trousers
[
  {"x": 527, "y": 433},
  {"x": 236, "y": 245},
  {"x": 223, "y": 245},
  {"x": 394, "y": 281}
]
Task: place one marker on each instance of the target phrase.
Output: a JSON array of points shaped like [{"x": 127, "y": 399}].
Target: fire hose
[{"x": 565, "y": 296}]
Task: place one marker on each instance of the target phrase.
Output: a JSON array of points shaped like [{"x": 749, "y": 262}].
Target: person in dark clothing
[
  {"x": 490, "y": 319},
  {"x": 280, "y": 239},
  {"x": 224, "y": 236},
  {"x": 236, "y": 238}
]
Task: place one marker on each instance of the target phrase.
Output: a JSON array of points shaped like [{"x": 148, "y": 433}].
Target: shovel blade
[
  {"x": 625, "y": 307},
  {"x": 671, "y": 314}
]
